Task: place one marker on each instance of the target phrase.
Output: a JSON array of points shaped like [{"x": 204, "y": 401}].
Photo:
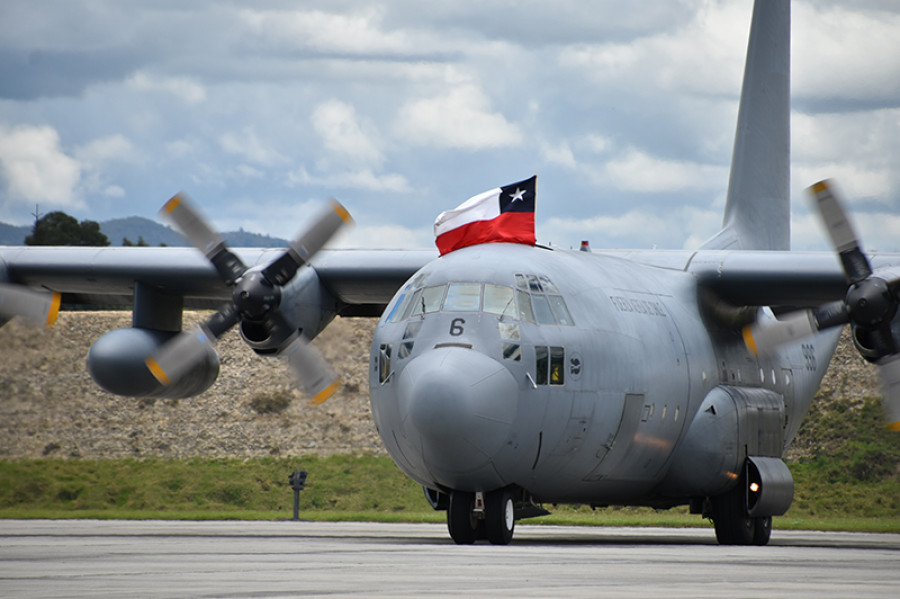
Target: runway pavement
[{"x": 90, "y": 558}]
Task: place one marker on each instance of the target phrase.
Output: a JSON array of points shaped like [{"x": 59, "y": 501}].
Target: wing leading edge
[{"x": 361, "y": 280}]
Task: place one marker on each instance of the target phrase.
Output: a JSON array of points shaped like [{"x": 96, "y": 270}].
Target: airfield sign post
[{"x": 297, "y": 481}]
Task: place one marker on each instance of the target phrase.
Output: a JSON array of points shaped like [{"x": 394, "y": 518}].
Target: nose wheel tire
[
  {"x": 461, "y": 520},
  {"x": 500, "y": 521}
]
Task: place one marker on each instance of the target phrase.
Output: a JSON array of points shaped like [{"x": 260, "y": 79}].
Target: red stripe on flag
[{"x": 509, "y": 227}]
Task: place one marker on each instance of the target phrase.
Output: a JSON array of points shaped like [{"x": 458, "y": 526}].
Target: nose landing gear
[{"x": 473, "y": 516}]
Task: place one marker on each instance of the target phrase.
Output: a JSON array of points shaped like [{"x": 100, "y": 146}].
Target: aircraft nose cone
[{"x": 462, "y": 405}]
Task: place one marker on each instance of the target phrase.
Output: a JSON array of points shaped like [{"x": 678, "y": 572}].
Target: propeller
[
  {"x": 256, "y": 296},
  {"x": 38, "y": 307},
  {"x": 869, "y": 306}
]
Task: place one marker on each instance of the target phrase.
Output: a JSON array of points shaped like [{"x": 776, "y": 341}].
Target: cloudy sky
[{"x": 402, "y": 109}]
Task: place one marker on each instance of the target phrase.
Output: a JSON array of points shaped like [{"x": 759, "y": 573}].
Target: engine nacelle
[
  {"x": 305, "y": 303},
  {"x": 731, "y": 424},
  {"x": 116, "y": 363}
]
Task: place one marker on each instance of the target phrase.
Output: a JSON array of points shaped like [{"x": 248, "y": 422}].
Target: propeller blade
[
  {"x": 889, "y": 373},
  {"x": 178, "y": 356},
  {"x": 195, "y": 229},
  {"x": 310, "y": 241},
  {"x": 38, "y": 307},
  {"x": 765, "y": 336},
  {"x": 311, "y": 370},
  {"x": 841, "y": 231}
]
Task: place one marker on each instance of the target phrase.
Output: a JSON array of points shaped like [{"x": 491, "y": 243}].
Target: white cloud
[
  {"x": 99, "y": 151},
  {"x": 345, "y": 135},
  {"x": 385, "y": 236},
  {"x": 36, "y": 169},
  {"x": 113, "y": 191},
  {"x": 364, "y": 179},
  {"x": 845, "y": 53},
  {"x": 642, "y": 228},
  {"x": 247, "y": 145},
  {"x": 460, "y": 118},
  {"x": 183, "y": 88},
  {"x": 858, "y": 149},
  {"x": 356, "y": 32},
  {"x": 559, "y": 153},
  {"x": 703, "y": 56},
  {"x": 637, "y": 171},
  {"x": 398, "y": 106}
]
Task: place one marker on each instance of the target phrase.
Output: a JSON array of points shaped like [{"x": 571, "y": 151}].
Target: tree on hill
[
  {"x": 140, "y": 242},
  {"x": 58, "y": 228}
]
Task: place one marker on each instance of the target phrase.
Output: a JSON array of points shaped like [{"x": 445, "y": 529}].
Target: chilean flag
[{"x": 503, "y": 214}]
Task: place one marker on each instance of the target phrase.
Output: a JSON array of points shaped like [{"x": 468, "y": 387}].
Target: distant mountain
[
  {"x": 13, "y": 235},
  {"x": 134, "y": 228}
]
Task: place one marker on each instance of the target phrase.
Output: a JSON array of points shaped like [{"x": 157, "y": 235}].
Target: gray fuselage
[{"x": 585, "y": 403}]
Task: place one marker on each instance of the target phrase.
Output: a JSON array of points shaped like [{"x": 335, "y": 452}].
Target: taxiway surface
[{"x": 89, "y": 558}]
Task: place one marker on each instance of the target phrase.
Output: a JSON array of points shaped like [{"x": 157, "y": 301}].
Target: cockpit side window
[
  {"x": 547, "y": 284},
  {"x": 411, "y": 302},
  {"x": 549, "y": 365},
  {"x": 540, "y": 301},
  {"x": 560, "y": 311},
  {"x": 429, "y": 300},
  {"x": 542, "y": 310},
  {"x": 525, "y": 311}
]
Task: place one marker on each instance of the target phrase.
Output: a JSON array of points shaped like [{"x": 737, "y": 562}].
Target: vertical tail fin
[{"x": 758, "y": 207}]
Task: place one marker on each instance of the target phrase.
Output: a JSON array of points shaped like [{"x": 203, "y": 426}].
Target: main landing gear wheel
[
  {"x": 464, "y": 527},
  {"x": 733, "y": 525},
  {"x": 500, "y": 518}
]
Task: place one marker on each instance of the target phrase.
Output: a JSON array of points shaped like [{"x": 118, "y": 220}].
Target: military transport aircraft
[{"x": 507, "y": 375}]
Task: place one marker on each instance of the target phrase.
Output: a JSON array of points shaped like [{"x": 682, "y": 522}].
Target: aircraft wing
[
  {"x": 362, "y": 280},
  {"x": 764, "y": 278}
]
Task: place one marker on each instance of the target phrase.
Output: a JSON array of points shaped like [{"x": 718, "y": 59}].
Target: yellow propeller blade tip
[
  {"x": 819, "y": 187},
  {"x": 173, "y": 203},
  {"x": 54, "y": 310},
  {"x": 157, "y": 372},
  {"x": 342, "y": 212},
  {"x": 748, "y": 340},
  {"x": 325, "y": 393}
]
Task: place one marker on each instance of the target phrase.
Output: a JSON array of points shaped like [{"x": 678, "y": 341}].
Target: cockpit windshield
[{"x": 535, "y": 299}]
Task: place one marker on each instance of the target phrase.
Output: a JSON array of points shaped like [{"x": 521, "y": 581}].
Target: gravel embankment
[{"x": 50, "y": 407}]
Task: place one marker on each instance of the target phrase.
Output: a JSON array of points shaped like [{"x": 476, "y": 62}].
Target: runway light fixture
[{"x": 297, "y": 480}]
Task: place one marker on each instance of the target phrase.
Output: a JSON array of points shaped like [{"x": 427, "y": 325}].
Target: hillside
[
  {"x": 153, "y": 233},
  {"x": 50, "y": 407}
]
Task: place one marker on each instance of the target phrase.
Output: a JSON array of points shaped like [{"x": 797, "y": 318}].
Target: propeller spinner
[
  {"x": 869, "y": 306},
  {"x": 256, "y": 297}
]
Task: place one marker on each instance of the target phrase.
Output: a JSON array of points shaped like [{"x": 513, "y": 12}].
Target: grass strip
[{"x": 363, "y": 488}]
